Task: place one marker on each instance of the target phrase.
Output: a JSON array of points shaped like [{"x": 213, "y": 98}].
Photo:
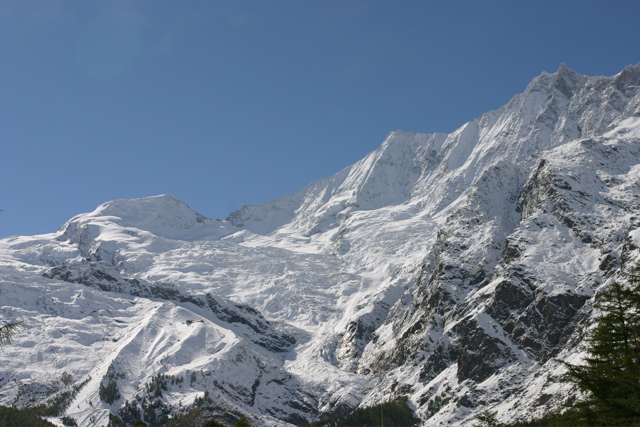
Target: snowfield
[{"x": 454, "y": 269}]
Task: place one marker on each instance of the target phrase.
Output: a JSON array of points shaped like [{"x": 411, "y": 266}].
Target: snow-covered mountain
[{"x": 453, "y": 269}]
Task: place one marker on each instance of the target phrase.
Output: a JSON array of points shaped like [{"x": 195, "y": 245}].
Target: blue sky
[{"x": 227, "y": 103}]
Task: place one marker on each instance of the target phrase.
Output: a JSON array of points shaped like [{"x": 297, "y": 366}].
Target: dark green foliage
[
  {"x": 157, "y": 384},
  {"x": 206, "y": 413},
  {"x": 395, "y": 413},
  {"x": 129, "y": 411},
  {"x": 68, "y": 421},
  {"x": 567, "y": 419},
  {"x": 155, "y": 412},
  {"x": 109, "y": 393},
  {"x": 487, "y": 419},
  {"x": 193, "y": 418},
  {"x": 115, "y": 421},
  {"x": 7, "y": 331},
  {"x": 438, "y": 402},
  {"x": 177, "y": 380},
  {"x": 66, "y": 378},
  {"x": 150, "y": 406},
  {"x": 202, "y": 401},
  {"x": 53, "y": 408},
  {"x": 56, "y": 405},
  {"x": 149, "y": 413},
  {"x": 242, "y": 422},
  {"x": 611, "y": 376},
  {"x": 151, "y": 409},
  {"x": 22, "y": 417},
  {"x": 187, "y": 419}
]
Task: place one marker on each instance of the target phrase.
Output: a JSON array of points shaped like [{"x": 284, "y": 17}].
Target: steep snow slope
[
  {"x": 78, "y": 334},
  {"x": 450, "y": 268}
]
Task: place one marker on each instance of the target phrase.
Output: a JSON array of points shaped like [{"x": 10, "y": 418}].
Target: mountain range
[{"x": 455, "y": 269}]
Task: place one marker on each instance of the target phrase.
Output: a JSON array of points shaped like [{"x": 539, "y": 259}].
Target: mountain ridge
[{"x": 451, "y": 268}]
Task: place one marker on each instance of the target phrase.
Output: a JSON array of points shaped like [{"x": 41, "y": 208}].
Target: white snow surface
[{"x": 345, "y": 248}]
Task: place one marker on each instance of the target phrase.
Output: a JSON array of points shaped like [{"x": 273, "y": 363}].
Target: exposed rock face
[
  {"x": 244, "y": 319},
  {"x": 508, "y": 280},
  {"x": 454, "y": 269}
]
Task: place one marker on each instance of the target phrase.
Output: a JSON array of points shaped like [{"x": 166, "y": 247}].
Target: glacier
[{"x": 455, "y": 269}]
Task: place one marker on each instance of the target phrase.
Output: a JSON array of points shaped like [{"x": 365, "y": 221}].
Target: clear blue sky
[{"x": 227, "y": 103}]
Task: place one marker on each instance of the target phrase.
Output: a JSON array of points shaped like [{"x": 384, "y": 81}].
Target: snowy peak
[
  {"x": 628, "y": 80},
  {"x": 150, "y": 213},
  {"x": 162, "y": 216},
  {"x": 566, "y": 80},
  {"x": 454, "y": 269},
  {"x": 563, "y": 76},
  {"x": 387, "y": 176},
  {"x": 434, "y": 170}
]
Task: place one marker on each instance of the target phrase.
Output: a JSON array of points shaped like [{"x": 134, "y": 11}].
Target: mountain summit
[{"x": 454, "y": 269}]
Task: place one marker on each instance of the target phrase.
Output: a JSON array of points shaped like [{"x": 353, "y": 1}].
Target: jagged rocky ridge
[{"x": 454, "y": 269}]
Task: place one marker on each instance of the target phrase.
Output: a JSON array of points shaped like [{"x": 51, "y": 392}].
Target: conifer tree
[
  {"x": 611, "y": 376},
  {"x": 6, "y": 332}
]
